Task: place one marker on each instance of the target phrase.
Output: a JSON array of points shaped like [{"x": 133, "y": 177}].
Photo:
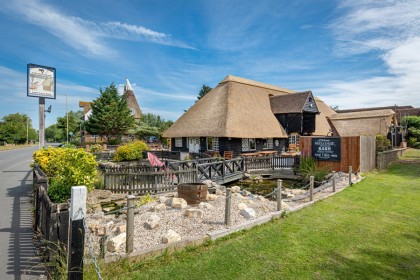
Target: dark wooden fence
[
  {"x": 271, "y": 162},
  {"x": 51, "y": 219},
  {"x": 221, "y": 171}
]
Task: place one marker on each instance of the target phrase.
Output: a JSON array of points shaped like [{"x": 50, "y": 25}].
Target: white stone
[
  {"x": 178, "y": 203},
  {"x": 261, "y": 198},
  {"x": 248, "y": 213},
  {"x": 120, "y": 229},
  {"x": 235, "y": 189},
  {"x": 115, "y": 243},
  {"x": 194, "y": 213},
  {"x": 152, "y": 222},
  {"x": 159, "y": 207},
  {"x": 237, "y": 195},
  {"x": 214, "y": 185},
  {"x": 211, "y": 197},
  {"x": 208, "y": 183},
  {"x": 219, "y": 192},
  {"x": 171, "y": 236},
  {"x": 242, "y": 206},
  {"x": 205, "y": 205},
  {"x": 245, "y": 193}
]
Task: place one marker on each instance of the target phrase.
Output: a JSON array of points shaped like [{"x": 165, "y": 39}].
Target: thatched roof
[
  {"x": 236, "y": 107},
  {"x": 131, "y": 100},
  {"x": 363, "y": 122},
  {"x": 322, "y": 126},
  {"x": 289, "y": 103}
]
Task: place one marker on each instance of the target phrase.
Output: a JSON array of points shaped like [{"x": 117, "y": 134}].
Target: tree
[
  {"x": 413, "y": 130},
  {"x": 152, "y": 125},
  {"x": 75, "y": 123},
  {"x": 15, "y": 128},
  {"x": 203, "y": 91},
  {"x": 54, "y": 134},
  {"x": 111, "y": 117}
]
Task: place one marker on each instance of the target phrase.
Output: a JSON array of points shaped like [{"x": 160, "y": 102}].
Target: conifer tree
[{"x": 111, "y": 117}]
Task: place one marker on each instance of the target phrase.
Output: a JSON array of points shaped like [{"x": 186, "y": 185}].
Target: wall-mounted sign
[
  {"x": 41, "y": 81},
  {"x": 326, "y": 148}
]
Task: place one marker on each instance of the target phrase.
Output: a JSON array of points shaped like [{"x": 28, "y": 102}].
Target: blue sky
[{"x": 351, "y": 54}]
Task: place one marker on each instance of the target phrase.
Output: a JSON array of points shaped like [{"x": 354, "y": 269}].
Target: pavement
[{"x": 18, "y": 254}]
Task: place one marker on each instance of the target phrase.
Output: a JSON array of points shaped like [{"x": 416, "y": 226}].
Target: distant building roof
[{"x": 290, "y": 103}]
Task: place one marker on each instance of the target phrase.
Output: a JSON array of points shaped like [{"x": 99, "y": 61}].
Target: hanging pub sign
[
  {"x": 326, "y": 148},
  {"x": 41, "y": 81}
]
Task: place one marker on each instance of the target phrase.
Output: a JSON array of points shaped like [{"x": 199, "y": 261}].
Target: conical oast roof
[{"x": 131, "y": 100}]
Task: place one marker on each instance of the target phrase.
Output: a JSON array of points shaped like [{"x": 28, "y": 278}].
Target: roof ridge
[{"x": 240, "y": 80}]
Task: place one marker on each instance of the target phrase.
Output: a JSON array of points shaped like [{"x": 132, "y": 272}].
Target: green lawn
[{"x": 368, "y": 231}]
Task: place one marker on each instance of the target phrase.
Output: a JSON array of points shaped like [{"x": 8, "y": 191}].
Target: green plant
[
  {"x": 309, "y": 167},
  {"x": 95, "y": 148},
  {"x": 131, "y": 151},
  {"x": 145, "y": 199},
  {"x": 416, "y": 145},
  {"x": 115, "y": 141},
  {"x": 66, "y": 167},
  {"x": 382, "y": 143}
]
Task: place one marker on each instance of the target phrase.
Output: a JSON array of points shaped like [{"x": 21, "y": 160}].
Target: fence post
[
  {"x": 311, "y": 188},
  {"x": 228, "y": 206},
  {"x": 278, "y": 195},
  {"x": 76, "y": 233},
  {"x": 130, "y": 224},
  {"x": 350, "y": 171},
  {"x": 333, "y": 181}
]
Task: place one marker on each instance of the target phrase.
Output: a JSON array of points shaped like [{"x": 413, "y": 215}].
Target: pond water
[{"x": 265, "y": 187}]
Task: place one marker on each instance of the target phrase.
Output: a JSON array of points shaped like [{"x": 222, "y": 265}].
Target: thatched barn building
[{"x": 242, "y": 116}]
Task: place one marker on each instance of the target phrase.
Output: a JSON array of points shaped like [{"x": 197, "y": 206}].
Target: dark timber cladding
[{"x": 296, "y": 112}]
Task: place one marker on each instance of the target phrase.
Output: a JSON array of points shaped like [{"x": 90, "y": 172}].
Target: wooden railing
[
  {"x": 222, "y": 170},
  {"x": 137, "y": 181},
  {"x": 271, "y": 162}
]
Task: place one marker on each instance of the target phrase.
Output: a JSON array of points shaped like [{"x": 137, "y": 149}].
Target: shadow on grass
[{"x": 370, "y": 264}]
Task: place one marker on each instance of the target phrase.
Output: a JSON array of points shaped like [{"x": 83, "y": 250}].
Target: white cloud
[
  {"x": 84, "y": 35},
  {"x": 390, "y": 28}
]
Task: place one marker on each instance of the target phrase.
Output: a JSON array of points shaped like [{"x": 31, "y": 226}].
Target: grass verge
[{"x": 368, "y": 231}]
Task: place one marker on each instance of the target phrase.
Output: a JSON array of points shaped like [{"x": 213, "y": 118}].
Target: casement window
[
  {"x": 294, "y": 139},
  {"x": 249, "y": 144},
  {"x": 213, "y": 144},
  {"x": 267, "y": 143},
  {"x": 178, "y": 142}
]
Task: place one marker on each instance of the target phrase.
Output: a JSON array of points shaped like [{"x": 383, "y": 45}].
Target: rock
[
  {"x": 219, "y": 192},
  {"x": 214, "y": 185},
  {"x": 245, "y": 193},
  {"x": 194, "y": 213},
  {"x": 122, "y": 228},
  {"x": 247, "y": 175},
  {"x": 115, "y": 243},
  {"x": 248, "y": 213},
  {"x": 152, "y": 222},
  {"x": 177, "y": 203},
  {"x": 235, "y": 189},
  {"x": 261, "y": 198},
  {"x": 242, "y": 206},
  {"x": 208, "y": 183},
  {"x": 162, "y": 199},
  {"x": 205, "y": 205},
  {"x": 159, "y": 207},
  {"x": 211, "y": 197},
  {"x": 98, "y": 215},
  {"x": 237, "y": 195},
  {"x": 171, "y": 236}
]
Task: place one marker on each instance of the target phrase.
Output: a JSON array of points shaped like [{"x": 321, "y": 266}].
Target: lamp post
[{"x": 67, "y": 123}]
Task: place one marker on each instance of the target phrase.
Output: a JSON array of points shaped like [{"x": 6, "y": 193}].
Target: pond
[{"x": 264, "y": 187}]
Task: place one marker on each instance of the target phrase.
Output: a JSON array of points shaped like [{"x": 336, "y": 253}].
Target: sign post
[{"x": 41, "y": 83}]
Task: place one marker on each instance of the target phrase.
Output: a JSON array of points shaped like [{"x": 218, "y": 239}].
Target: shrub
[
  {"x": 131, "y": 151},
  {"x": 66, "y": 167},
  {"x": 309, "y": 167},
  {"x": 416, "y": 145},
  {"x": 114, "y": 141},
  {"x": 382, "y": 143},
  {"x": 95, "y": 148}
]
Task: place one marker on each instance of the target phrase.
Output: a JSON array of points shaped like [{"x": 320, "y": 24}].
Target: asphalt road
[{"x": 17, "y": 252}]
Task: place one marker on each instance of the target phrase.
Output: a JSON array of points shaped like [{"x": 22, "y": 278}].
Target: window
[
  {"x": 178, "y": 142},
  {"x": 249, "y": 144},
  {"x": 294, "y": 139},
  {"x": 213, "y": 144},
  {"x": 267, "y": 143}
]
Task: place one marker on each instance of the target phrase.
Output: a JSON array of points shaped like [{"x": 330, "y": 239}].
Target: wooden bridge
[{"x": 141, "y": 179}]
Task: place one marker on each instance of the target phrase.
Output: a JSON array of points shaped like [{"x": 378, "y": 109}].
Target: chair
[{"x": 227, "y": 154}]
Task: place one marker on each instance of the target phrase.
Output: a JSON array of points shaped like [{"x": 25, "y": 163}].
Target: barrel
[{"x": 193, "y": 193}]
